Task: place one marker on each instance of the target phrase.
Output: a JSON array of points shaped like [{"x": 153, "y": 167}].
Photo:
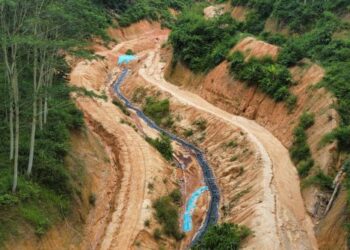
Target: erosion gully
[{"x": 212, "y": 213}]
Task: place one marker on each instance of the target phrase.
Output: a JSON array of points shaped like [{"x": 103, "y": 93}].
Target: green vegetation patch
[
  {"x": 322, "y": 180},
  {"x": 272, "y": 78},
  {"x": 159, "y": 111},
  {"x": 32, "y": 203},
  {"x": 223, "y": 236},
  {"x": 167, "y": 215},
  {"x": 152, "y": 10},
  {"x": 202, "y": 44},
  {"x": 300, "y": 151},
  {"x": 163, "y": 145}
]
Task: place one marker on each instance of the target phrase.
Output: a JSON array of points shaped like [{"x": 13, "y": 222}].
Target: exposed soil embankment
[
  {"x": 239, "y": 13},
  {"x": 219, "y": 88},
  {"x": 237, "y": 165},
  {"x": 294, "y": 226},
  {"x": 137, "y": 165},
  {"x": 139, "y": 170}
]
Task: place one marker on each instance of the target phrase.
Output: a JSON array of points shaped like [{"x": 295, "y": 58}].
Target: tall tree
[{"x": 12, "y": 17}]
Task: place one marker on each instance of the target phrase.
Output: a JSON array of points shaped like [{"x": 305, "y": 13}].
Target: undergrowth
[{"x": 167, "y": 213}]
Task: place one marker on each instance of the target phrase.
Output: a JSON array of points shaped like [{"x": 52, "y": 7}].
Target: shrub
[
  {"x": 201, "y": 124},
  {"x": 176, "y": 196},
  {"x": 150, "y": 186},
  {"x": 129, "y": 52},
  {"x": 168, "y": 216},
  {"x": 304, "y": 167},
  {"x": 163, "y": 145},
  {"x": 307, "y": 120},
  {"x": 157, "y": 110},
  {"x": 188, "y": 132},
  {"x": 92, "y": 199},
  {"x": 157, "y": 234},
  {"x": 224, "y": 236},
  {"x": 291, "y": 101},
  {"x": 320, "y": 179},
  {"x": 341, "y": 134},
  {"x": 139, "y": 94},
  {"x": 300, "y": 151},
  {"x": 232, "y": 144},
  {"x": 89, "y": 93},
  {"x": 233, "y": 158},
  {"x": 147, "y": 223}
]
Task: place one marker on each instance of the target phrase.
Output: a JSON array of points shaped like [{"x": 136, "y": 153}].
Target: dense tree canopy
[
  {"x": 202, "y": 44},
  {"x": 36, "y": 113}
]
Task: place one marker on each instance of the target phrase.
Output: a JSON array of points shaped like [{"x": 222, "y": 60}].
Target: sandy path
[
  {"x": 134, "y": 155},
  {"x": 286, "y": 224}
]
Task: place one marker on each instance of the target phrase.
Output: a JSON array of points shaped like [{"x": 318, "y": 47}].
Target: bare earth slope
[{"x": 293, "y": 228}]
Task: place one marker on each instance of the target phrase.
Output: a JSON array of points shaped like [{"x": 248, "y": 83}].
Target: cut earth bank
[
  {"x": 278, "y": 220},
  {"x": 219, "y": 88}
]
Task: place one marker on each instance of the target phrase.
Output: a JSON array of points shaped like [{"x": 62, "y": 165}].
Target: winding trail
[{"x": 286, "y": 223}]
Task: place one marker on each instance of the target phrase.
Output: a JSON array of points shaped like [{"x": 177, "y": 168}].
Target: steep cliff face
[{"x": 219, "y": 88}]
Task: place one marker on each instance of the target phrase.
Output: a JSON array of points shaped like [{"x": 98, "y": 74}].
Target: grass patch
[{"x": 139, "y": 95}]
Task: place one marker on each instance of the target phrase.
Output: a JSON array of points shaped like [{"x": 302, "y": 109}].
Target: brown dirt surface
[
  {"x": 215, "y": 10},
  {"x": 251, "y": 47},
  {"x": 139, "y": 168},
  {"x": 219, "y": 88},
  {"x": 328, "y": 233},
  {"x": 292, "y": 227},
  {"x": 239, "y": 13}
]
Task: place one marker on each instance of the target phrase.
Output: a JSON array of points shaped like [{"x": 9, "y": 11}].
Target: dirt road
[{"x": 287, "y": 225}]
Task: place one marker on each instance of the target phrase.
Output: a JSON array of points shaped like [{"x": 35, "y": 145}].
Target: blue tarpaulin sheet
[
  {"x": 126, "y": 59},
  {"x": 190, "y": 206}
]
